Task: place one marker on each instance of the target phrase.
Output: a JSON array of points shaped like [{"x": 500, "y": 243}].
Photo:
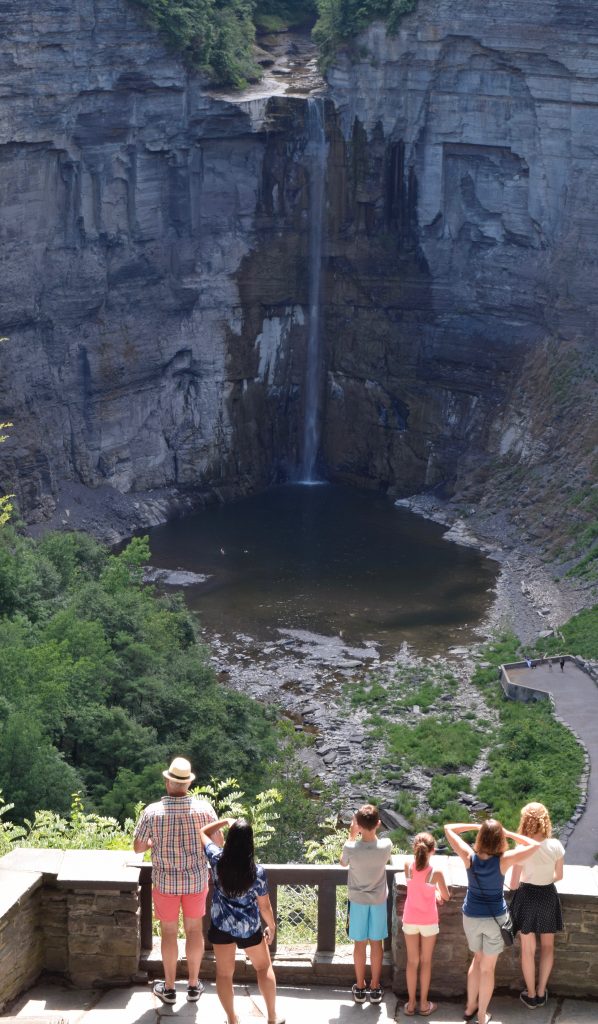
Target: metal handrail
[{"x": 325, "y": 877}]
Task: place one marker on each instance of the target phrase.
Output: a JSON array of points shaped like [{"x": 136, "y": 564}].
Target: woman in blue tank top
[{"x": 484, "y": 907}]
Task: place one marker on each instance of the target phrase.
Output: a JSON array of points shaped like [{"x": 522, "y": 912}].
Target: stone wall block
[{"x": 576, "y": 955}]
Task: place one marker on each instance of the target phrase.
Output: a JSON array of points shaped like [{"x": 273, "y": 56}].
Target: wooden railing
[{"x": 325, "y": 878}]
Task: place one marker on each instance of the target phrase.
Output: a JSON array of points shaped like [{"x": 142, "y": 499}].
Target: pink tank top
[{"x": 420, "y": 906}]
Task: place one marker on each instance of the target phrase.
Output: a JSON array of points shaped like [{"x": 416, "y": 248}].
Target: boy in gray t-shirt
[{"x": 366, "y": 859}]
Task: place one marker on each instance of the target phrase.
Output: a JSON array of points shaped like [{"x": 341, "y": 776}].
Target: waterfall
[{"x": 316, "y": 153}]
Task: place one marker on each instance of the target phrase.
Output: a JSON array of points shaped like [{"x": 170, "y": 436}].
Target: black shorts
[{"x": 219, "y": 938}]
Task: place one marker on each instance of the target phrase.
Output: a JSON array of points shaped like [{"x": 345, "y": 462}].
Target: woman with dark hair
[
  {"x": 484, "y": 907},
  {"x": 535, "y": 905},
  {"x": 239, "y": 897}
]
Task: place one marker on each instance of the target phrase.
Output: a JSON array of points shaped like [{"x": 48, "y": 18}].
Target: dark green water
[{"x": 328, "y": 559}]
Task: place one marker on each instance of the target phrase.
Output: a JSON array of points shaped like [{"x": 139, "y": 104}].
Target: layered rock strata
[{"x": 155, "y": 241}]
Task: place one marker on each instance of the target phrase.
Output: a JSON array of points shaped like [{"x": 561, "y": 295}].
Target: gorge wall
[{"x": 155, "y": 237}]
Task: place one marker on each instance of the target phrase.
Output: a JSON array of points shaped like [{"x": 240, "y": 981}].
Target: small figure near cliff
[
  {"x": 239, "y": 897},
  {"x": 535, "y": 907},
  {"x": 170, "y": 829},
  {"x": 484, "y": 909},
  {"x": 426, "y": 887},
  {"x": 549, "y": 663},
  {"x": 366, "y": 858},
  {"x": 562, "y": 664}
]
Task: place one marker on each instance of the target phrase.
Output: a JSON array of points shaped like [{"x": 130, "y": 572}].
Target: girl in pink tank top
[{"x": 426, "y": 888}]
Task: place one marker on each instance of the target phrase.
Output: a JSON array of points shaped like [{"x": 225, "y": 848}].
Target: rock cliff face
[
  {"x": 155, "y": 240},
  {"x": 466, "y": 237},
  {"x": 144, "y": 351}
]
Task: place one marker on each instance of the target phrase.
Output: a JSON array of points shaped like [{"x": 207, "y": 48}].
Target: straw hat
[{"x": 179, "y": 771}]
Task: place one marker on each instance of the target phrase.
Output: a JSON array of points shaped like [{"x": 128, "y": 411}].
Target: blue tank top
[{"x": 484, "y": 896}]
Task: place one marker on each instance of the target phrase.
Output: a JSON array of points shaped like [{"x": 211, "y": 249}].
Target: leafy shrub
[
  {"x": 580, "y": 636},
  {"x": 341, "y": 20},
  {"x": 446, "y": 787},
  {"x": 214, "y": 37},
  {"x": 437, "y": 743}
]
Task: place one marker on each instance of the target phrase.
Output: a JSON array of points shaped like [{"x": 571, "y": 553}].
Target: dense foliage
[
  {"x": 102, "y": 681},
  {"x": 341, "y": 20},
  {"x": 214, "y": 37},
  {"x": 578, "y": 636},
  {"x": 217, "y": 37}
]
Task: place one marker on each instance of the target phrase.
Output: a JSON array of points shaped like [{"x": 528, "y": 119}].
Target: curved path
[{"x": 576, "y": 702}]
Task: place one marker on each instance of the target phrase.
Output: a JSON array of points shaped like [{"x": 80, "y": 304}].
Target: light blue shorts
[{"x": 367, "y": 921}]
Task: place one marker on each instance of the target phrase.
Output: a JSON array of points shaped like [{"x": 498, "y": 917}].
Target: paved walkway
[
  {"x": 576, "y": 699},
  {"x": 47, "y": 1004}
]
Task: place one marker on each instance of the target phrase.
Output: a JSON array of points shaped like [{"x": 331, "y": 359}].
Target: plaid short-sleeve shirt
[{"x": 179, "y": 865}]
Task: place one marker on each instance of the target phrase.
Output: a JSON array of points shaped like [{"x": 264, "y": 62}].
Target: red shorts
[{"x": 167, "y": 906}]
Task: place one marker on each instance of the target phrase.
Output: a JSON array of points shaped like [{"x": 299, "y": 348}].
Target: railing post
[
  {"x": 273, "y": 893},
  {"x": 326, "y": 940},
  {"x": 145, "y": 900}
]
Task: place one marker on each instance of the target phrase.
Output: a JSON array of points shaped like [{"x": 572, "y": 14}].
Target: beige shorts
[
  {"x": 421, "y": 929},
  {"x": 483, "y": 934}
]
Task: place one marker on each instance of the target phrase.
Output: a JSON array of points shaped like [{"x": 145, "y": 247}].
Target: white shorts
[{"x": 421, "y": 929}]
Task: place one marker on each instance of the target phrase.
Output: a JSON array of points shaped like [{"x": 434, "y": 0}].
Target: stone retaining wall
[
  {"x": 576, "y": 960},
  {"x": 21, "y": 935},
  {"x": 72, "y": 913}
]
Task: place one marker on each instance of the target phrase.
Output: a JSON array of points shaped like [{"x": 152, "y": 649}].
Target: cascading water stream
[{"x": 316, "y": 152}]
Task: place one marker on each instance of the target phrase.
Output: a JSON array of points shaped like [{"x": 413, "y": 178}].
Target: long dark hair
[{"x": 236, "y": 867}]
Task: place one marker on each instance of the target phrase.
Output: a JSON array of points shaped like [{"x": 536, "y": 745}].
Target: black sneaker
[
  {"x": 530, "y": 1001},
  {"x": 542, "y": 1000},
  {"x": 359, "y": 994},
  {"x": 376, "y": 995},
  {"x": 194, "y": 992},
  {"x": 167, "y": 995}
]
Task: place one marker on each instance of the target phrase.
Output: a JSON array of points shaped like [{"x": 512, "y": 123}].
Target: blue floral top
[{"x": 239, "y": 915}]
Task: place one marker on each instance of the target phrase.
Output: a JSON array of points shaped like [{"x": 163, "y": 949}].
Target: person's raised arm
[
  {"x": 353, "y": 833},
  {"x": 208, "y": 832},
  {"x": 525, "y": 848},
  {"x": 461, "y": 848}
]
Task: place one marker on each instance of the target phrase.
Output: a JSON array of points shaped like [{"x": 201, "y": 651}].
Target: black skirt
[{"x": 536, "y": 909}]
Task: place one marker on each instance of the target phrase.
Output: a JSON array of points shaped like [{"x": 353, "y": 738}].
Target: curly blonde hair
[{"x": 535, "y": 820}]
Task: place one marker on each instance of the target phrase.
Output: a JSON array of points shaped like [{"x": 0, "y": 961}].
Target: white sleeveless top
[{"x": 539, "y": 868}]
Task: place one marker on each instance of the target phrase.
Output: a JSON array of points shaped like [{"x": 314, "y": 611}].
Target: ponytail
[{"x": 423, "y": 848}]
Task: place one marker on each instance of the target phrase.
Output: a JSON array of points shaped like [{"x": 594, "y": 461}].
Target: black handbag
[{"x": 507, "y": 929}]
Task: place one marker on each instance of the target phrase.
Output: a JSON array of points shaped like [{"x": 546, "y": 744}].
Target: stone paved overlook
[{"x": 49, "y": 1005}]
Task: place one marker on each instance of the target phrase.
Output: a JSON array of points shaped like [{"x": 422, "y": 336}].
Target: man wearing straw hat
[{"x": 170, "y": 829}]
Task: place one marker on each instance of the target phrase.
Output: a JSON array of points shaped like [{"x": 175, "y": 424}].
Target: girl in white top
[{"x": 535, "y": 907}]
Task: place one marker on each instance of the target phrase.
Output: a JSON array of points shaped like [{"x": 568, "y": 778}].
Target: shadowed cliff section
[{"x": 492, "y": 115}]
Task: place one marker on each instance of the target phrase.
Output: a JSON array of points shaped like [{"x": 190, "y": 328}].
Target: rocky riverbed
[{"x": 310, "y": 677}]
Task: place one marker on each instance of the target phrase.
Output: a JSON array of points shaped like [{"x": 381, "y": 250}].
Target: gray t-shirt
[{"x": 367, "y": 869}]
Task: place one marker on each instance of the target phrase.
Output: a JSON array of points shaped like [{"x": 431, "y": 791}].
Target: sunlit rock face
[{"x": 154, "y": 244}]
